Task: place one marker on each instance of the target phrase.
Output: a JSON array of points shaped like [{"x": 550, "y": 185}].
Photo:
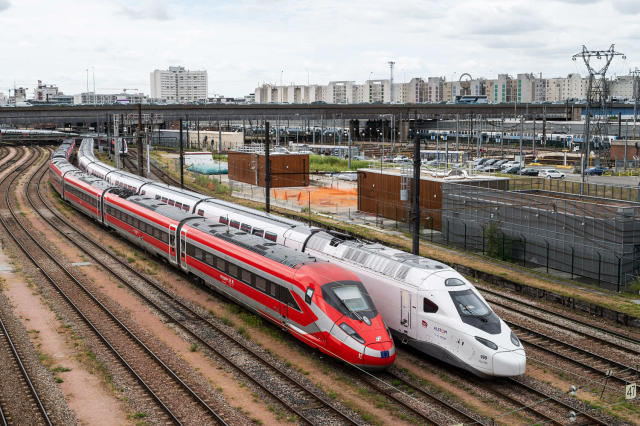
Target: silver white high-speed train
[{"x": 426, "y": 304}]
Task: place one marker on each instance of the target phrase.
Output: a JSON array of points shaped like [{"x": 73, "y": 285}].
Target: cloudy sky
[{"x": 243, "y": 43}]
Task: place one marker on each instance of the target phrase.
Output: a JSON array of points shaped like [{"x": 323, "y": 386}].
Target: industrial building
[
  {"x": 287, "y": 170},
  {"x": 387, "y": 193}
]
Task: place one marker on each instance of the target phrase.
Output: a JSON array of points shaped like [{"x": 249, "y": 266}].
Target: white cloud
[
  {"x": 146, "y": 9},
  {"x": 626, "y": 6},
  {"x": 245, "y": 42},
  {"x": 4, "y": 5}
]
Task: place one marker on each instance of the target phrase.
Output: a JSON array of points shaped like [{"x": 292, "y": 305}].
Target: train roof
[
  {"x": 160, "y": 208},
  {"x": 387, "y": 261},
  {"x": 272, "y": 251},
  {"x": 93, "y": 181},
  {"x": 255, "y": 244}
]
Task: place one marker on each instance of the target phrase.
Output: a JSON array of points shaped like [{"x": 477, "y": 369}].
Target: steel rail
[
  {"x": 193, "y": 314},
  {"x": 112, "y": 316}
]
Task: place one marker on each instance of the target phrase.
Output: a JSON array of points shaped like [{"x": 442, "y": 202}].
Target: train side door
[
  {"x": 405, "y": 312},
  {"x": 183, "y": 249},
  {"x": 284, "y": 312},
  {"x": 172, "y": 244}
]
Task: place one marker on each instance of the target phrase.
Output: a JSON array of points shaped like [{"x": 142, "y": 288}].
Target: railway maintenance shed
[
  {"x": 387, "y": 192},
  {"x": 286, "y": 169}
]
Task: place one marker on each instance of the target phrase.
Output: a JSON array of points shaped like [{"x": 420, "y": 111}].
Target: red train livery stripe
[
  {"x": 243, "y": 255},
  {"x": 303, "y": 318}
]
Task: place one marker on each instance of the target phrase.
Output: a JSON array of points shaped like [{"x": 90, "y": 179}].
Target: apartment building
[
  {"x": 178, "y": 85},
  {"x": 524, "y": 88},
  {"x": 43, "y": 93}
]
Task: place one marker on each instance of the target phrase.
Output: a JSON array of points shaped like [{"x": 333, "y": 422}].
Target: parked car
[
  {"x": 401, "y": 159},
  {"x": 510, "y": 163},
  {"x": 500, "y": 163},
  {"x": 529, "y": 172},
  {"x": 512, "y": 170},
  {"x": 387, "y": 158},
  {"x": 490, "y": 168},
  {"x": 479, "y": 161},
  {"x": 597, "y": 171},
  {"x": 551, "y": 174}
]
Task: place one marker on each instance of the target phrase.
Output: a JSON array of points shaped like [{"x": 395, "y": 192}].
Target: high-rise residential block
[{"x": 178, "y": 85}]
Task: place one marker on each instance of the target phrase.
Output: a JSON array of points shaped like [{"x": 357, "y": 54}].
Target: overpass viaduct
[{"x": 61, "y": 116}]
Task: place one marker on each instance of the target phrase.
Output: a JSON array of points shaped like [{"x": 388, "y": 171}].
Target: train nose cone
[
  {"x": 510, "y": 363},
  {"x": 379, "y": 355}
]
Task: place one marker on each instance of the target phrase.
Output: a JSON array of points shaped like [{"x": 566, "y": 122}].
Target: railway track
[
  {"x": 529, "y": 324},
  {"x": 19, "y": 398},
  {"x": 421, "y": 402},
  {"x": 518, "y": 394},
  {"x": 299, "y": 398},
  {"x": 179, "y": 402},
  {"x": 522, "y": 396}
]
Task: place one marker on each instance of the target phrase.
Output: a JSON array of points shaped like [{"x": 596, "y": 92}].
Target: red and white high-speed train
[
  {"x": 426, "y": 304},
  {"x": 321, "y": 304}
]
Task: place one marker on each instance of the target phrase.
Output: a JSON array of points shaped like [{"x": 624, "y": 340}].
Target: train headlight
[
  {"x": 514, "y": 339},
  {"x": 487, "y": 343},
  {"x": 351, "y": 332}
]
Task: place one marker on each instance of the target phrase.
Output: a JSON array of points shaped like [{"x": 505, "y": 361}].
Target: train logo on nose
[
  {"x": 425, "y": 324},
  {"x": 378, "y": 338}
]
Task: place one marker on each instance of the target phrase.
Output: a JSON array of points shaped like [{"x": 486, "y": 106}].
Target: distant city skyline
[{"x": 245, "y": 43}]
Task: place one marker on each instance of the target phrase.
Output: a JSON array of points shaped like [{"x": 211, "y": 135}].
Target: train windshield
[
  {"x": 349, "y": 298},
  {"x": 475, "y": 312}
]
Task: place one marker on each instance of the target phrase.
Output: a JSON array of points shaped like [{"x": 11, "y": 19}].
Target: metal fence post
[
  {"x": 502, "y": 255},
  {"x": 619, "y": 268},
  {"x": 547, "y": 255},
  {"x": 465, "y": 235},
  {"x": 447, "y": 231},
  {"x": 483, "y": 239},
  {"x": 524, "y": 250},
  {"x": 431, "y": 225},
  {"x": 599, "y": 265},
  {"x": 572, "y": 259}
]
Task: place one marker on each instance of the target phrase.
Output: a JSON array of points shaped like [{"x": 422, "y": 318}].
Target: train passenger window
[
  {"x": 429, "y": 307},
  {"x": 245, "y": 227},
  {"x": 157, "y": 197},
  {"x": 308, "y": 295},
  {"x": 224, "y": 220},
  {"x": 172, "y": 203},
  {"x": 178, "y": 205},
  {"x": 143, "y": 192},
  {"x": 233, "y": 270},
  {"x": 164, "y": 199},
  {"x": 261, "y": 284},
  {"x": 274, "y": 290},
  {"x": 452, "y": 282},
  {"x": 259, "y": 232},
  {"x": 208, "y": 259},
  {"x": 199, "y": 254},
  {"x": 201, "y": 212},
  {"x": 185, "y": 207},
  {"x": 220, "y": 264},
  {"x": 271, "y": 236},
  {"x": 235, "y": 224},
  {"x": 245, "y": 276}
]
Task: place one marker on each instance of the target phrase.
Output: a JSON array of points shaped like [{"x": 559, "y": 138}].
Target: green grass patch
[{"x": 327, "y": 163}]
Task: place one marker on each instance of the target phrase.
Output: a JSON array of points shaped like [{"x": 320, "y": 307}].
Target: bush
[{"x": 499, "y": 246}]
